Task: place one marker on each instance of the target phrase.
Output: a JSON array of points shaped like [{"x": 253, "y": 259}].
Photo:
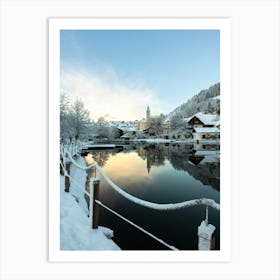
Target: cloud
[{"x": 107, "y": 95}]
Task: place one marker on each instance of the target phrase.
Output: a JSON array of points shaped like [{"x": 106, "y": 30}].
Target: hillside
[{"x": 206, "y": 101}]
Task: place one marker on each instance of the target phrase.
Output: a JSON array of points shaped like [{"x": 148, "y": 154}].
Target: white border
[
  {"x": 222, "y": 24},
  {"x": 255, "y": 164}
]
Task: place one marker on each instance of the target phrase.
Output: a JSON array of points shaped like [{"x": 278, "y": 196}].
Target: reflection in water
[
  {"x": 203, "y": 165},
  {"x": 153, "y": 154},
  {"x": 100, "y": 158},
  {"x": 161, "y": 174}
]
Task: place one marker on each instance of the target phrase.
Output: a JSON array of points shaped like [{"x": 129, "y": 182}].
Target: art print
[{"x": 139, "y": 145}]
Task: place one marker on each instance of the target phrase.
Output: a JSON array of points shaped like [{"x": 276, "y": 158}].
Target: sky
[{"x": 118, "y": 73}]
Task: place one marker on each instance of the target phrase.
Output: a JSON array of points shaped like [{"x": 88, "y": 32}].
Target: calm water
[{"x": 161, "y": 174}]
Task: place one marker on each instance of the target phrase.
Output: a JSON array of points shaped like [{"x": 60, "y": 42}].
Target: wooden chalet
[{"x": 204, "y": 126}]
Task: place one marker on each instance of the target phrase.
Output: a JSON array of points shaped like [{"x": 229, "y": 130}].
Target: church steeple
[{"x": 148, "y": 113}]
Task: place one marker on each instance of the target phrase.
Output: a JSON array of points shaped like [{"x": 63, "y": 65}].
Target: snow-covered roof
[
  {"x": 167, "y": 120},
  {"x": 207, "y": 153},
  {"x": 126, "y": 135},
  {"x": 216, "y": 97},
  {"x": 207, "y": 119},
  {"x": 129, "y": 129},
  {"x": 217, "y": 123},
  {"x": 206, "y": 130},
  {"x": 210, "y": 159}
]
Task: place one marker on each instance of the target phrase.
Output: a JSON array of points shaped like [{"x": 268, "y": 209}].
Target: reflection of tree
[
  {"x": 156, "y": 154},
  {"x": 100, "y": 157},
  {"x": 153, "y": 154},
  {"x": 203, "y": 168}
]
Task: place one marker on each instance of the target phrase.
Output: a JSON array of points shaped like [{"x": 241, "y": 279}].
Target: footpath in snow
[{"x": 75, "y": 230}]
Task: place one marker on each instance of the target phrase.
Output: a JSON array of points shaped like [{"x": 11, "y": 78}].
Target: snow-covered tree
[
  {"x": 156, "y": 125},
  {"x": 65, "y": 116},
  {"x": 178, "y": 126},
  {"x": 101, "y": 119},
  {"x": 79, "y": 116},
  {"x": 102, "y": 131},
  {"x": 114, "y": 132}
]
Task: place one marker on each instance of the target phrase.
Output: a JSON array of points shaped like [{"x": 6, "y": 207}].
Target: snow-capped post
[
  {"x": 205, "y": 232},
  {"x": 94, "y": 207}
]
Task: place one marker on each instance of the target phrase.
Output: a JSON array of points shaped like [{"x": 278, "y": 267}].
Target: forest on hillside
[{"x": 206, "y": 101}]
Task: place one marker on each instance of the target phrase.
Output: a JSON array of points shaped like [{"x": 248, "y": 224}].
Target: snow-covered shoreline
[
  {"x": 161, "y": 140},
  {"x": 184, "y": 140},
  {"x": 75, "y": 230}
]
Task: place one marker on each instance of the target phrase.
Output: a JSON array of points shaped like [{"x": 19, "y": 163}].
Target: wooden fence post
[
  {"x": 94, "y": 207},
  {"x": 67, "y": 179}
]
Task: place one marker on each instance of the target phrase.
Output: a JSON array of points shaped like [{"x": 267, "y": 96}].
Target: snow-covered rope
[
  {"x": 73, "y": 180},
  {"x": 136, "y": 226},
  {"x": 117, "y": 214},
  {"x": 94, "y": 165},
  {"x": 157, "y": 206},
  {"x": 148, "y": 204},
  {"x": 74, "y": 148}
]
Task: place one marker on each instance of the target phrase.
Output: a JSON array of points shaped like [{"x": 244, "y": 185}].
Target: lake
[{"x": 160, "y": 173}]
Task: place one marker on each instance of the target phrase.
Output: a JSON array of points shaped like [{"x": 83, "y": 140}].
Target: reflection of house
[
  {"x": 202, "y": 165},
  {"x": 205, "y": 126},
  {"x": 200, "y": 133}
]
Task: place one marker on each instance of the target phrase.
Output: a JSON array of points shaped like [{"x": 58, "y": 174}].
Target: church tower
[{"x": 148, "y": 113}]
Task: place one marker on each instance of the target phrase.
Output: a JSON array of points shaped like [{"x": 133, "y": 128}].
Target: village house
[{"x": 204, "y": 126}]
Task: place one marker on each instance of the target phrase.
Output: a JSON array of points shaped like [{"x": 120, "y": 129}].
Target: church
[{"x": 145, "y": 123}]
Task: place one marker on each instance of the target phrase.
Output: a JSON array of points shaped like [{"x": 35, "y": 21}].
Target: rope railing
[
  {"x": 73, "y": 148},
  {"x": 205, "y": 230},
  {"x": 148, "y": 204},
  {"x": 136, "y": 226},
  {"x": 171, "y": 247},
  {"x": 65, "y": 172}
]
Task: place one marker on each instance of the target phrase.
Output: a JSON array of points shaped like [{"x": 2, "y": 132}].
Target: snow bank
[
  {"x": 75, "y": 230},
  {"x": 78, "y": 185},
  {"x": 161, "y": 140}
]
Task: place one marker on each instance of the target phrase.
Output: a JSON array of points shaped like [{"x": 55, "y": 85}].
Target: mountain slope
[{"x": 206, "y": 101}]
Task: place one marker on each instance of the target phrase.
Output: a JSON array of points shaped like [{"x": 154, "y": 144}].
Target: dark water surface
[{"x": 160, "y": 174}]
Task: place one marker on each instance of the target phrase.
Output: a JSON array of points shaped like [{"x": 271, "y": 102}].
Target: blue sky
[{"x": 119, "y": 72}]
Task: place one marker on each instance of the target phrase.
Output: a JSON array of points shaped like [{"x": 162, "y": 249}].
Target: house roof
[
  {"x": 206, "y": 130},
  {"x": 206, "y": 119},
  {"x": 125, "y": 135}
]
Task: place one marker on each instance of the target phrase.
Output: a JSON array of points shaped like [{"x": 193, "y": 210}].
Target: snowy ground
[
  {"x": 75, "y": 230},
  {"x": 161, "y": 140}
]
